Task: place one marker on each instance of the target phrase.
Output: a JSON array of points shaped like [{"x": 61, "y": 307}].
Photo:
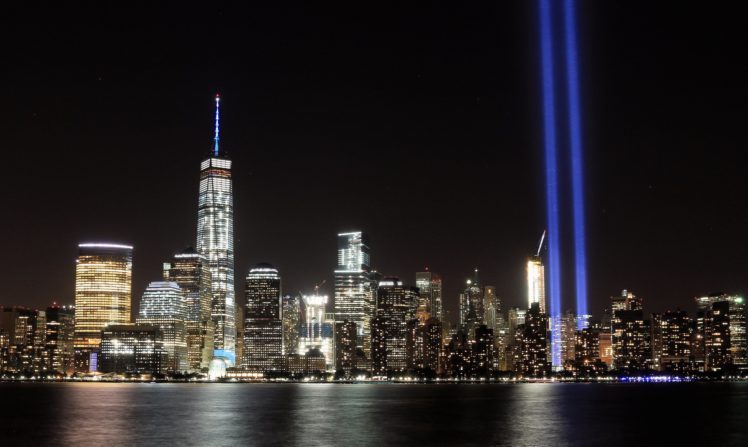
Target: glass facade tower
[
  {"x": 354, "y": 291},
  {"x": 163, "y": 306},
  {"x": 103, "y": 291},
  {"x": 738, "y": 342},
  {"x": 396, "y": 306},
  {"x": 190, "y": 271},
  {"x": 536, "y": 282},
  {"x": 263, "y": 320},
  {"x": 215, "y": 241},
  {"x": 430, "y": 287}
]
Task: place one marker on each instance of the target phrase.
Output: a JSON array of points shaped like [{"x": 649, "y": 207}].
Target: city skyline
[
  {"x": 453, "y": 303},
  {"x": 411, "y": 223},
  {"x": 649, "y": 195},
  {"x": 215, "y": 190}
]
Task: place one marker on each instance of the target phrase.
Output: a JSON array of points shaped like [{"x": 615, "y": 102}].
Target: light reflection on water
[{"x": 375, "y": 414}]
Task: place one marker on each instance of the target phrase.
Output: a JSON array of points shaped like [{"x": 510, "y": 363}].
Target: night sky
[{"x": 417, "y": 122}]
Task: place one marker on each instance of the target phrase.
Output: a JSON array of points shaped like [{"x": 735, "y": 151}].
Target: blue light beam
[
  {"x": 551, "y": 175},
  {"x": 577, "y": 172}
]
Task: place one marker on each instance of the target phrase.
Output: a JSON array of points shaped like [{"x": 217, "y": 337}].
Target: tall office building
[
  {"x": 379, "y": 365},
  {"x": 59, "y": 338},
  {"x": 630, "y": 334},
  {"x": 492, "y": 309},
  {"x": 163, "y": 306},
  {"x": 317, "y": 332},
  {"x": 568, "y": 330},
  {"x": 717, "y": 340},
  {"x": 423, "y": 344},
  {"x": 346, "y": 351},
  {"x": 396, "y": 305},
  {"x": 215, "y": 241},
  {"x": 532, "y": 338},
  {"x": 536, "y": 282},
  {"x": 430, "y": 287},
  {"x": 737, "y": 325},
  {"x": 674, "y": 341},
  {"x": 471, "y": 303},
  {"x": 263, "y": 322},
  {"x": 190, "y": 271},
  {"x": 587, "y": 350},
  {"x": 483, "y": 351},
  {"x": 291, "y": 323},
  {"x": 354, "y": 291},
  {"x": 103, "y": 294},
  {"x": 22, "y": 340},
  {"x": 472, "y": 312},
  {"x": 133, "y": 348}
]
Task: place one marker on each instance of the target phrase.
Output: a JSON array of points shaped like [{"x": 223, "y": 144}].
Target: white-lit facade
[
  {"x": 354, "y": 292},
  {"x": 317, "y": 329},
  {"x": 536, "y": 282},
  {"x": 163, "y": 306},
  {"x": 133, "y": 348},
  {"x": 215, "y": 241}
]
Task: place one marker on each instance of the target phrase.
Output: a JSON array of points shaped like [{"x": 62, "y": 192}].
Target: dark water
[{"x": 382, "y": 414}]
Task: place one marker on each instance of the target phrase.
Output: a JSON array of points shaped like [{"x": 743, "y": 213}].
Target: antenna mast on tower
[{"x": 215, "y": 138}]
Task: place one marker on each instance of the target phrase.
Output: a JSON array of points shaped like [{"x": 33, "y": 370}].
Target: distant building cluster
[{"x": 377, "y": 327}]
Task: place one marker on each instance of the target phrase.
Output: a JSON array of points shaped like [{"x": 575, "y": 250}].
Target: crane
[
  {"x": 540, "y": 246},
  {"x": 317, "y": 286}
]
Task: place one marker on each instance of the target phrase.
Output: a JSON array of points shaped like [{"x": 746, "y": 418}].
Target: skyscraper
[
  {"x": 215, "y": 241},
  {"x": 103, "y": 294},
  {"x": 630, "y": 334},
  {"x": 354, "y": 292},
  {"x": 568, "y": 331},
  {"x": 59, "y": 338},
  {"x": 472, "y": 313},
  {"x": 291, "y": 323},
  {"x": 316, "y": 332},
  {"x": 163, "y": 306},
  {"x": 587, "y": 350},
  {"x": 533, "y": 344},
  {"x": 536, "y": 282},
  {"x": 483, "y": 351},
  {"x": 717, "y": 340},
  {"x": 396, "y": 305},
  {"x": 423, "y": 344},
  {"x": 430, "y": 287},
  {"x": 379, "y": 364},
  {"x": 675, "y": 346},
  {"x": 737, "y": 325},
  {"x": 263, "y": 325},
  {"x": 21, "y": 340},
  {"x": 346, "y": 354},
  {"x": 190, "y": 271},
  {"x": 492, "y": 308}
]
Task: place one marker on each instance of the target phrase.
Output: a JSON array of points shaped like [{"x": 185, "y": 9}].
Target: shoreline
[{"x": 630, "y": 380}]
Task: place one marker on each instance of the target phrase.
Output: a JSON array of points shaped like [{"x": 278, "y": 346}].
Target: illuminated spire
[{"x": 216, "y": 139}]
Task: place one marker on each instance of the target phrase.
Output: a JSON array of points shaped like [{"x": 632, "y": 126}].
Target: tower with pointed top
[{"x": 215, "y": 242}]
